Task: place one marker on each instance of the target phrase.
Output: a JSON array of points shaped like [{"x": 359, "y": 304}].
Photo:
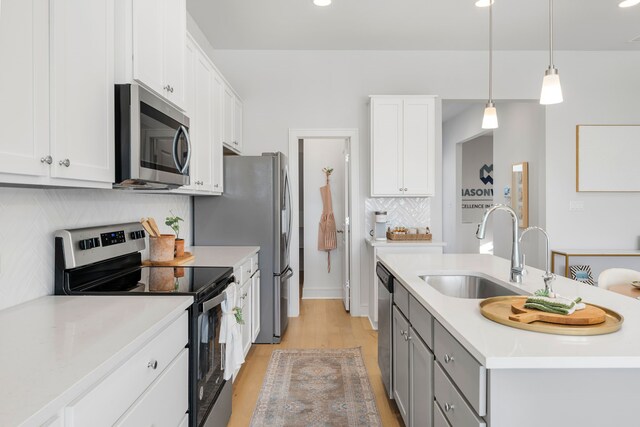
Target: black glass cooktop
[{"x": 169, "y": 280}]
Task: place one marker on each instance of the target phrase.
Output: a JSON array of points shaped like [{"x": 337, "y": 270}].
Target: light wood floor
[{"x": 322, "y": 324}]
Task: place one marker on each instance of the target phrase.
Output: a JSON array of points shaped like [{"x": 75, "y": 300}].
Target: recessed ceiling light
[
  {"x": 487, "y": 3},
  {"x": 628, "y": 3},
  {"x": 322, "y": 2}
]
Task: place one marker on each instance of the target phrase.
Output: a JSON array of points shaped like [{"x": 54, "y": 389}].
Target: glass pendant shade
[
  {"x": 322, "y": 2},
  {"x": 490, "y": 119},
  {"x": 551, "y": 89},
  {"x": 628, "y": 3}
]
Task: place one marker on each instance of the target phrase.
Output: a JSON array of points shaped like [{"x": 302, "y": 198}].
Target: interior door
[{"x": 346, "y": 234}]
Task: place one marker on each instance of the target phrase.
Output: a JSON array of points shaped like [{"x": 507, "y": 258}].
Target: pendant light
[
  {"x": 490, "y": 119},
  {"x": 628, "y": 3},
  {"x": 551, "y": 89},
  {"x": 322, "y": 2}
]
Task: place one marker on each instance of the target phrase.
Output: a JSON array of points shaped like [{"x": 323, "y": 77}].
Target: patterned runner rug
[{"x": 317, "y": 387}]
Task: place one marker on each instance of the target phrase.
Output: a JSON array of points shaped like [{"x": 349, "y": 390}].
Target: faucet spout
[
  {"x": 517, "y": 266},
  {"x": 548, "y": 276}
]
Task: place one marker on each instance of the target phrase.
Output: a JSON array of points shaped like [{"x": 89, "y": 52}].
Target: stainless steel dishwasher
[{"x": 385, "y": 310}]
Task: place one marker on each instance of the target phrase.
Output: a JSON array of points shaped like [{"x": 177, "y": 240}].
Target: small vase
[{"x": 179, "y": 248}]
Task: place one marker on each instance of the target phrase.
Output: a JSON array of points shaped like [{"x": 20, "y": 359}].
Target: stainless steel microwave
[{"x": 153, "y": 149}]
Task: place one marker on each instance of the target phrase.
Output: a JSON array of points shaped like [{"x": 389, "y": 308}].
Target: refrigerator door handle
[{"x": 288, "y": 274}]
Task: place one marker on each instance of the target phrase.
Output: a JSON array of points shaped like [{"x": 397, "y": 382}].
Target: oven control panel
[{"x": 112, "y": 238}]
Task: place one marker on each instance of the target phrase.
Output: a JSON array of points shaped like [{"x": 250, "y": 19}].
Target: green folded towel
[{"x": 558, "y": 305}]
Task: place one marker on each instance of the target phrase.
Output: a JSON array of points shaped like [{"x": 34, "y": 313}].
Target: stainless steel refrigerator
[{"x": 254, "y": 210}]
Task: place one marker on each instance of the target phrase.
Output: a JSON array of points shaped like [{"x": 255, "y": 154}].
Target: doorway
[
  {"x": 322, "y": 164},
  {"x": 310, "y": 151}
]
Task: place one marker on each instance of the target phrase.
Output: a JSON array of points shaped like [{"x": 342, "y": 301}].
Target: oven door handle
[{"x": 209, "y": 304}]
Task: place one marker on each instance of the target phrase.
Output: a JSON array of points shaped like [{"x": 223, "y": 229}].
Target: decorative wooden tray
[
  {"x": 499, "y": 309},
  {"x": 398, "y": 236},
  {"x": 188, "y": 256}
]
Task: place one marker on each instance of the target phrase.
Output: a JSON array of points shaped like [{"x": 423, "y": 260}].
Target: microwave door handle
[
  {"x": 175, "y": 149},
  {"x": 185, "y": 132}
]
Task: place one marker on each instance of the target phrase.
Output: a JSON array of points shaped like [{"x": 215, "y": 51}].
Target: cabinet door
[
  {"x": 148, "y": 40},
  {"x": 246, "y": 312},
  {"x": 420, "y": 382},
  {"x": 419, "y": 147},
  {"x": 237, "y": 129},
  {"x": 217, "y": 165},
  {"x": 24, "y": 85},
  {"x": 386, "y": 149},
  {"x": 82, "y": 97},
  {"x": 229, "y": 106},
  {"x": 400, "y": 359},
  {"x": 255, "y": 306},
  {"x": 202, "y": 122},
  {"x": 174, "y": 30}
]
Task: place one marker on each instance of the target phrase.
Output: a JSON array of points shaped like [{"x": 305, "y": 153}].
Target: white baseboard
[{"x": 321, "y": 293}]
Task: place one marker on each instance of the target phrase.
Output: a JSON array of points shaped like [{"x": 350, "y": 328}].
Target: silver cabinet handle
[
  {"x": 216, "y": 185},
  {"x": 400, "y": 189},
  {"x": 66, "y": 163},
  {"x": 448, "y": 407},
  {"x": 166, "y": 88},
  {"x": 448, "y": 358},
  {"x": 171, "y": 89},
  {"x": 405, "y": 189},
  {"x": 153, "y": 364},
  {"x": 48, "y": 160}
]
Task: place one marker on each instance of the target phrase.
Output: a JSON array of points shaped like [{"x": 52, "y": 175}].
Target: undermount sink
[{"x": 468, "y": 286}]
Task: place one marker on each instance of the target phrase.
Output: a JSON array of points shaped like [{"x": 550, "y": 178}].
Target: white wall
[
  {"x": 318, "y": 154},
  {"x": 29, "y": 217},
  {"x": 520, "y": 138},
  {"x": 329, "y": 89}
]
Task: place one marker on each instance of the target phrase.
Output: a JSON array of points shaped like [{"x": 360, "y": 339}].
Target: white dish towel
[{"x": 230, "y": 333}]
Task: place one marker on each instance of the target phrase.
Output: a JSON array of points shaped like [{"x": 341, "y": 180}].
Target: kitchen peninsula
[{"x": 513, "y": 377}]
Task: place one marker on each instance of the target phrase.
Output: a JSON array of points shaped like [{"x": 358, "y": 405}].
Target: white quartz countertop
[
  {"x": 501, "y": 347},
  {"x": 403, "y": 243},
  {"x": 221, "y": 256},
  {"x": 54, "y": 348}
]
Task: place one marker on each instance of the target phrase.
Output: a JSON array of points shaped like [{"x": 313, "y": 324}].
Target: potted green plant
[{"x": 173, "y": 221}]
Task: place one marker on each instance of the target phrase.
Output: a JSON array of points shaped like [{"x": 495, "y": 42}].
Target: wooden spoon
[
  {"x": 154, "y": 225},
  {"x": 145, "y": 224}
]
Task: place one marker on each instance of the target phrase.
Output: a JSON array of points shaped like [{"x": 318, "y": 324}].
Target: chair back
[{"x": 617, "y": 276}]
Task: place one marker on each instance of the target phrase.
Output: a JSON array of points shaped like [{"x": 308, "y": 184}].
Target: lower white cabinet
[
  {"x": 255, "y": 305},
  {"x": 153, "y": 380}
]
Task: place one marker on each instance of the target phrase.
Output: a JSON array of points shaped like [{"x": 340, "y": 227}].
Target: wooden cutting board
[{"x": 590, "y": 315}]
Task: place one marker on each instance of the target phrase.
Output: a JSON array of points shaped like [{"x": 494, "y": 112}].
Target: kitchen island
[{"x": 525, "y": 378}]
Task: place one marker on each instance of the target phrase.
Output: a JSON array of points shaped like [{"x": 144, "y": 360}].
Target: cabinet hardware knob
[
  {"x": 400, "y": 189},
  {"x": 166, "y": 88},
  {"x": 48, "y": 160},
  {"x": 448, "y": 358},
  {"x": 405, "y": 189},
  {"x": 448, "y": 407},
  {"x": 66, "y": 163},
  {"x": 216, "y": 185},
  {"x": 171, "y": 89},
  {"x": 153, "y": 364}
]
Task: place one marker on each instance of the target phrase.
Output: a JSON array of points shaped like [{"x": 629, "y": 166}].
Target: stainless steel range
[{"x": 107, "y": 260}]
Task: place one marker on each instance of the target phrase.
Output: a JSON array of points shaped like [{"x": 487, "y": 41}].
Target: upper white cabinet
[
  {"x": 56, "y": 97},
  {"x": 151, "y": 46},
  {"x": 232, "y": 120},
  {"x": 403, "y": 140},
  {"x": 24, "y": 87},
  {"x": 82, "y": 97}
]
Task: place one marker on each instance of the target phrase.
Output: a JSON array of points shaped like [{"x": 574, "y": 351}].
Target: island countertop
[{"x": 501, "y": 347}]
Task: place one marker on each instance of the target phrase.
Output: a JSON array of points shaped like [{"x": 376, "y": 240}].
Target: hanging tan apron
[{"x": 327, "y": 240}]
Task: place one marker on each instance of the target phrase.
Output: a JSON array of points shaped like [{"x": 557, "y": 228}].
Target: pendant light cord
[
  {"x": 551, "y": 65},
  {"x": 491, "y": 53}
]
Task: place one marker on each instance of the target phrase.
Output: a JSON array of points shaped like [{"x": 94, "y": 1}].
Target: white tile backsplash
[
  {"x": 29, "y": 217},
  {"x": 407, "y": 212}
]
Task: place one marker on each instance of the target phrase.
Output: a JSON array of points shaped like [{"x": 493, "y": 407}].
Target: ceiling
[{"x": 414, "y": 24}]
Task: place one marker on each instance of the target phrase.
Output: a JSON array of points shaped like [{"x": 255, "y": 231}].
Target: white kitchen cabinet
[
  {"x": 255, "y": 305},
  {"x": 237, "y": 124},
  {"x": 156, "y": 376},
  {"x": 24, "y": 87},
  {"x": 58, "y": 118},
  {"x": 403, "y": 141},
  {"x": 155, "y": 44},
  {"x": 82, "y": 97},
  {"x": 201, "y": 80},
  {"x": 228, "y": 110},
  {"x": 218, "y": 128}
]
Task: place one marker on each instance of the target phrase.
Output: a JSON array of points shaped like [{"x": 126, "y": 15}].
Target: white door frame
[{"x": 356, "y": 233}]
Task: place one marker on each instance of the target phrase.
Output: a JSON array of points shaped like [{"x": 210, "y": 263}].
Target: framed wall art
[{"x": 520, "y": 192}]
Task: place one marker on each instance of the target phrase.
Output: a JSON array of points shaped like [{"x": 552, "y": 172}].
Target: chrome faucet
[
  {"x": 548, "y": 276},
  {"x": 516, "y": 259}
]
